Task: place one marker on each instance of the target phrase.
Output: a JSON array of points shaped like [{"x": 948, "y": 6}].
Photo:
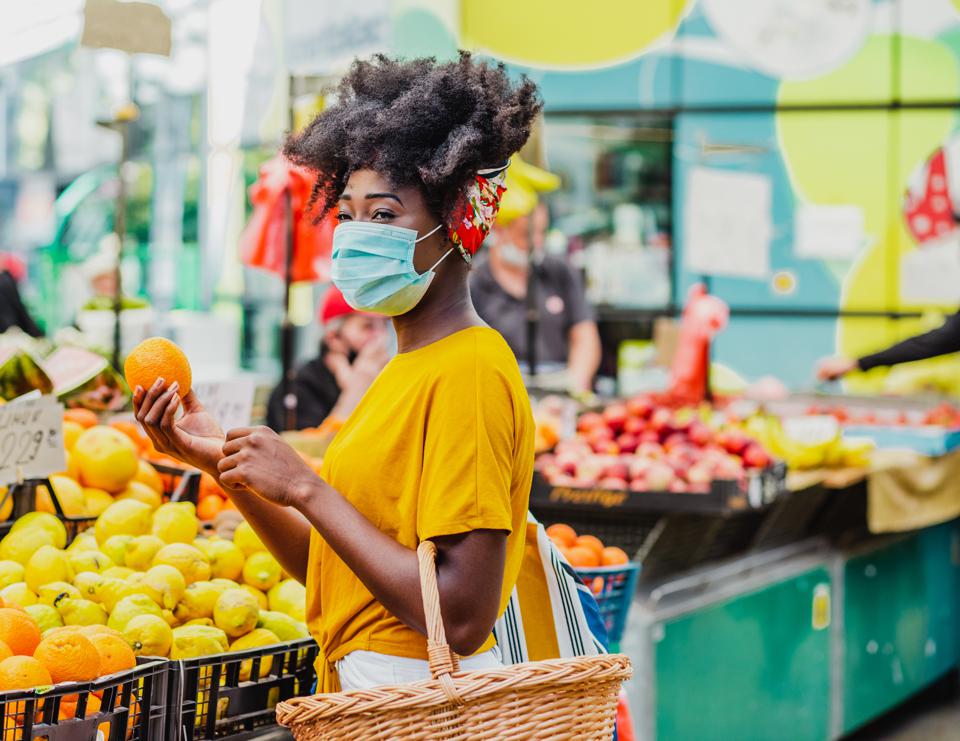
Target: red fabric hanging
[{"x": 263, "y": 243}]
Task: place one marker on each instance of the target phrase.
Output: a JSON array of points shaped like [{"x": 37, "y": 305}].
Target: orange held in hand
[{"x": 156, "y": 358}]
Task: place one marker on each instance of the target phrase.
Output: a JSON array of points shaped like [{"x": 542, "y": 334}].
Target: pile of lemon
[{"x": 146, "y": 572}]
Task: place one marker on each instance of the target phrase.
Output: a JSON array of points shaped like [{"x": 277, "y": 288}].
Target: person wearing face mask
[
  {"x": 412, "y": 155},
  {"x": 566, "y": 336},
  {"x": 329, "y": 387}
]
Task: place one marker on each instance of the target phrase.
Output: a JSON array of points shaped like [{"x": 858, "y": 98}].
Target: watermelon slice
[
  {"x": 21, "y": 373},
  {"x": 84, "y": 379}
]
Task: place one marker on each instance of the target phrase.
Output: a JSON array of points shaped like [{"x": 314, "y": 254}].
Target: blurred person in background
[
  {"x": 353, "y": 351},
  {"x": 567, "y": 336},
  {"x": 13, "y": 312}
]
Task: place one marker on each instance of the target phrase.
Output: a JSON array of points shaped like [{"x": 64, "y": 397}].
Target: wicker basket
[{"x": 557, "y": 699}]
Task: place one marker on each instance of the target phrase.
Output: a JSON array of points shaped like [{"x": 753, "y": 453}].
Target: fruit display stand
[
  {"x": 132, "y": 705},
  {"x": 233, "y": 695}
]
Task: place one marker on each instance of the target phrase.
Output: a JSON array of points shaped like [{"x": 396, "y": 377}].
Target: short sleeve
[
  {"x": 468, "y": 453},
  {"x": 575, "y": 296}
]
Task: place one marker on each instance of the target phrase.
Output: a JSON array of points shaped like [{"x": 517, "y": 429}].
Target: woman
[{"x": 441, "y": 447}]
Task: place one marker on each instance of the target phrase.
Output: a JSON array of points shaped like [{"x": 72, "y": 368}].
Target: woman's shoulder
[{"x": 477, "y": 353}]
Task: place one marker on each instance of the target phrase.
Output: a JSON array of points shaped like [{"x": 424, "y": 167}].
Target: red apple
[
  {"x": 574, "y": 445},
  {"x": 649, "y": 449},
  {"x": 678, "y": 487},
  {"x": 700, "y": 433},
  {"x": 589, "y": 421},
  {"x": 755, "y": 456},
  {"x": 638, "y": 467},
  {"x": 563, "y": 480},
  {"x": 640, "y": 406},
  {"x": 552, "y": 472},
  {"x": 730, "y": 469},
  {"x": 627, "y": 442},
  {"x": 699, "y": 473},
  {"x": 545, "y": 459},
  {"x": 650, "y": 436},
  {"x": 659, "y": 476},
  {"x": 606, "y": 447},
  {"x": 612, "y": 482},
  {"x": 733, "y": 440},
  {"x": 634, "y": 426},
  {"x": 568, "y": 462},
  {"x": 615, "y": 416},
  {"x": 660, "y": 420},
  {"x": 639, "y": 484},
  {"x": 674, "y": 441},
  {"x": 617, "y": 470}
]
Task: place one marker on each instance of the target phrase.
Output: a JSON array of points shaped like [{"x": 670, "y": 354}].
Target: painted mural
[{"x": 792, "y": 154}]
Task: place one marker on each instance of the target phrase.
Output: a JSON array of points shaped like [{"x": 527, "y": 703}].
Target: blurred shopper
[
  {"x": 943, "y": 340},
  {"x": 567, "y": 335},
  {"x": 352, "y": 353},
  {"x": 13, "y": 312}
]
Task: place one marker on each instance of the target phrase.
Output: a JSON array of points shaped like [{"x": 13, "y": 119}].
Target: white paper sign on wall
[
  {"x": 31, "y": 439},
  {"x": 229, "y": 402},
  {"x": 727, "y": 223},
  {"x": 828, "y": 232}
]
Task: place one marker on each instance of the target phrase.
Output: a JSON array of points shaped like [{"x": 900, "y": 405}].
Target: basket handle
[{"x": 442, "y": 660}]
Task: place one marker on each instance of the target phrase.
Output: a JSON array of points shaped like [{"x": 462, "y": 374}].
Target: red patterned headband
[{"x": 480, "y": 206}]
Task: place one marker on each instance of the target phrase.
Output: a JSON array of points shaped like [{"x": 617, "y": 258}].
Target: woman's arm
[
  {"x": 940, "y": 341},
  {"x": 470, "y": 565},
  {"x": 584, "y": 355},
  {"x": 196, "y": 439}
]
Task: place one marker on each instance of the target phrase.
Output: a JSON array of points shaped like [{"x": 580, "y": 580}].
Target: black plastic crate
[
  {"x": 133, "y": 705},
  {"x": 216, "y": 704}
]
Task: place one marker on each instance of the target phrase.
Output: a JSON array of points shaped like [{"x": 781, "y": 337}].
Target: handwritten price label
[
  {"x": 229, "y": 402},
  {"x": 31, "y": 439}
]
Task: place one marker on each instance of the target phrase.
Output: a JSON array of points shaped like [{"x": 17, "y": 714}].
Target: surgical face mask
[
  {"x": 512, "y": 255},
  {"x": 373, "y": 267}
]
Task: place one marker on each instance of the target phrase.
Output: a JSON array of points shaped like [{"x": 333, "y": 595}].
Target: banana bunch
[{"x": 808, "y": 442}]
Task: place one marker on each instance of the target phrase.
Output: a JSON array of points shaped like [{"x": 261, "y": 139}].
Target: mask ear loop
[
  {"x": 444, "y": 257},
  {"x": 432, "y": 231}
]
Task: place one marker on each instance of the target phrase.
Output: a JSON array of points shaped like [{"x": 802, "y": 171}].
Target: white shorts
[{"x": 361, "y": 670}]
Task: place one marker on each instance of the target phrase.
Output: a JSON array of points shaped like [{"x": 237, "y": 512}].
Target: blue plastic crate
[
  {"x": 613, "y": 588},
  {"x": 930, "y": 441}
]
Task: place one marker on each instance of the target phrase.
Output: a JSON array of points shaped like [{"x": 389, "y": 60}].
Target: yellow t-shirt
[{"x": 442, "y": 443}]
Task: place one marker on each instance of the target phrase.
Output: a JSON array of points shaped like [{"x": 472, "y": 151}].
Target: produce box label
[
  {"x": 228, "y": 402},
  {"x": 31, "y": 439}
]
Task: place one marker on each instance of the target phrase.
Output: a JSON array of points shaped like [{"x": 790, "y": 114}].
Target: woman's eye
[
  {"x": 380, "y": 214},
  {"x": 343, "y": 217}
]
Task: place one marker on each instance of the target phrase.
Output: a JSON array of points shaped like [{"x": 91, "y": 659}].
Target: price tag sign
[
  {"x": 31, "y": 439},
  {"x": 228, "y": 402}
]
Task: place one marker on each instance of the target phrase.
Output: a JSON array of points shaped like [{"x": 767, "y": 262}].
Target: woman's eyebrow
[{"x": 371, "y": 196}]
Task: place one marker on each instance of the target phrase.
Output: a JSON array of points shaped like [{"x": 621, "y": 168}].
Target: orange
[
  {"x": 5, "y": 652},
  {"x": 68, "y": 707},
  {"x": 614, "y": 556},
  {"x": 115, "y": 653},
  {"x": 23, "y": 673},
  {"x": 69, "y": 657},
  {"x": 155, "y": 358},
  {"x": 18, "y": 631},
  {"x": 562, "y": 535},
  {"x": 209, "y": 487},
  {"x": 148, "y": 475},
  {"x": 83, "y": 417},
  {"x": 209, "y": 507},
  {"x": 581, "y": 557},
  {"x": 591, "y": 542}
]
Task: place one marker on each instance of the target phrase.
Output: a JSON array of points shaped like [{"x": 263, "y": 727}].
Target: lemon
[
  {"x": 141, "y": 550},
  {"x": 202, "y": 544},
  {"x": 190, "y": 641},
  {"x": 97, "y": 500},
  {"x": 85, "y": 541},
  {"x": 42, "y": 521},
  {"x": 261, "y": 570},
  {"x": 176, "y": 522},
  {"x": 111, "y": 591},
  {"x": 10, "y": 573},
  {"x": 89, "y": 583},
  {"x": 198, "y": 601},
  {"x": 18, "y": 594},
  {"x": 69, "y": 495},
  {"x": 55, "y": 592},
  {"x": 148, "y": 635},
  {"x": 141, "y": 493},
  {"x": 47, "y": 564},
  {"x": 82, "y": 612},
  {"x": 131, "y": 606},
  {"x": 116, "y": 547},
  {"x": 107, "y": 458},
  {"x": 199, "y": 621},
  {"x": 170, "y": 618},
  {"x": 89, "y": 561},
  {"x": 223, "y": 584},
  {"x": 188, "y": 560},
  {"x": 235, "y": 612},
  {"x": 247, "y": 540},
  {"x": 226, "y": 559},
  {"x": 164, "y": 585},
  {"x": 261, "y": 598},
  {"x": 71, "y": 432},
  {"x": 6, "y": 504},
  {"x": 256, "y": 638},
  {"x": 148, "y": 475},
  {"x": 45, "y": 616},
  {"x": 123, "y": 517},
  {"x": 289, "y": 596},
  {"x": 118, "y": 572},
  {"x": 286, "y": 628}
]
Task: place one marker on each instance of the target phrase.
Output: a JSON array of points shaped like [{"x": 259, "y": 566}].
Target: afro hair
[{"x": 417, "y": 122}]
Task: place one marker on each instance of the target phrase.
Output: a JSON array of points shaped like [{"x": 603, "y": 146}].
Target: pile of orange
[
  {"x": 211, "y": 499},
  {"x": 585, "y": 551},
  {"x": 69, "y": 654}
]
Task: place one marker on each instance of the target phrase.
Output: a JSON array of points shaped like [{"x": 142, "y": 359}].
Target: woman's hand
[
  {"x": 830, "y": 369},
  {"x": 195, "y": 438},
  {"x": 257, "y": 458}
]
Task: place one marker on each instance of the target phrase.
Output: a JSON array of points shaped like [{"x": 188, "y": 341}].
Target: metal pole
[
  {"x": 532, "y": 303},
  {"x": 287, "y": 329},
  {"x": 120, "y": 229}
]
